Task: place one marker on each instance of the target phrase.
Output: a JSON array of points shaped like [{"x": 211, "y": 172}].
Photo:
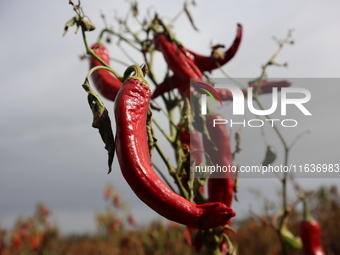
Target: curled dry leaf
[
  {"x": 88, "y": 25},
  {"x": 101, "y": 120},
  {"x": 78, "y": 20},
  {"x": 216, "y": 53},
  {"x": 70, "y": 23}
]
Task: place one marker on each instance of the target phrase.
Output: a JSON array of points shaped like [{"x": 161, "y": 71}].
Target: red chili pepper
[
  {"x": 169, "y": 84},
  {"x": 208, "y": 63},
  {"x": 131, "y": 109},
  {"x": 220, "y": 185},
  {"x": 105, "y": 82},
  {"x": 183, "y": 67},
  {"x": 225, "y": 94},
  {"x": 172, "y": 82},
  {"x": 310, "y": 232},
  {"x": 266, "y": 88},
  {"x": 132, "y": 220}
]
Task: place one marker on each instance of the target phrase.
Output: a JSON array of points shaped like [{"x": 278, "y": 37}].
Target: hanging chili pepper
[
  {"x": 291, "y": 241},
  {"x": 216, "y": 59},
  {"x": 174, "y": 82},
  {"x": 182, "y": 67},
  {"x": 105, "y": 82},
  {"x": 310, "y": 232},
  {"x": 266, "y": 88},
  {"x": 220, "y": 185},
  {"x": 131, "y": 109},
  {"x": 169, "y": 84}
]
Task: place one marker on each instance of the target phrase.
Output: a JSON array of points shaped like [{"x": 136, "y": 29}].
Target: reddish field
[{"x": 254, "y": 235}]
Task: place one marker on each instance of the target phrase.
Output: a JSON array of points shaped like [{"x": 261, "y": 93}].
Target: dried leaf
[
  {"x": 216, "y": 53},
  {"x": 238, "y": 139},
  {"x": 88, "y": 25},
  {"x": 134, "y": 8},
  {"x": 101, "y": 120},
  {"x": 270, "y": 156},
  {"x": 70, "y": 23}
]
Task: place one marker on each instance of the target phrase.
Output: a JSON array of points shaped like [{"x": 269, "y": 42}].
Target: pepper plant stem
[
  {"x": 172, "y": 172},
  {"x": 91, "y": 52}
]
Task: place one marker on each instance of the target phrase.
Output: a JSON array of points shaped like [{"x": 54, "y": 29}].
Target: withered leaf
[
  {"x": 70, "y": 23},
  {"x": 270, "y": 156},
  {"x": 88, "y": 25},
  {"x": 101, "y": 121},
  {"x": 134, "y": 8},
  {"x": 217, "y": 53}
]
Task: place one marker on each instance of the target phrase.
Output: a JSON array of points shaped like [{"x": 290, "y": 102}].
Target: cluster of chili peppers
[
  {"x": 132, "y": 147},
  {"x": 187, "y": 64},
  {"x": 134, "y": 140},
  {"x": 132, "y": 99}
]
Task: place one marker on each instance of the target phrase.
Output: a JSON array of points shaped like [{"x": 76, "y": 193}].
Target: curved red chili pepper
[
  {"x": 310, "y": 232},
  {"x": 208, "y": 63},
  {"x": 182, "y": 67},
  {"x": 225, "y": 95},
  {"x": 169, "y": 84},
  {"x": 266, "y": 88},
  {"x": 131, "y": 107},
  {"x": 174, "y": 81},
  {"x": 105, "y": 82},
  {"x": 220, "y": 185}
]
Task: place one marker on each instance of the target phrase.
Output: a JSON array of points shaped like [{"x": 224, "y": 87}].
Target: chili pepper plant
[{"x": 142, "y": 92}]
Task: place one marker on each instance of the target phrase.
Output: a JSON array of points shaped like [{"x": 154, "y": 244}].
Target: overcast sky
[{"x": 48, "y": 150}]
